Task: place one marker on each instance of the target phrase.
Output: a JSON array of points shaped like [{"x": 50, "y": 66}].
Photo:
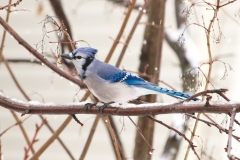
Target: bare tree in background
[
  {"x": 150, "y": 63},
  {"x": 187, "y": 63}
]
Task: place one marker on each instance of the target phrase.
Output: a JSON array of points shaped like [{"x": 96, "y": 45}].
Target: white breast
[{"x": 117, "y": 92}]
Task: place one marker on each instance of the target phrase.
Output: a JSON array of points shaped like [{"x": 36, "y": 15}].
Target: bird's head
[{"x": 81, "y": 58}]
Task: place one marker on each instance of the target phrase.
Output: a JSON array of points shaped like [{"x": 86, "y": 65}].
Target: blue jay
[{"x": 110, "y": 84}]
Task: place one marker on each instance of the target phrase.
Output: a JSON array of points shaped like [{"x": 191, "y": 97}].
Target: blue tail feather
[{"x": 172, "y": 93}]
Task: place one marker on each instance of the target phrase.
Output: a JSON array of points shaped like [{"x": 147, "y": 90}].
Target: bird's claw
[
  {"x": 101, "y": 108},
  {"x": 88, "y": 106}
]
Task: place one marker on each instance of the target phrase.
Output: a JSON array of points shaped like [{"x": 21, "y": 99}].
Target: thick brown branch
[{"x": 121, "y": 110}]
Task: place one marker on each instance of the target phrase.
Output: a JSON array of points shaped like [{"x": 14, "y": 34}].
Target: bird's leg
[
  {"x": 89, "y": 106},
  {"x": 101, "y": 108}
]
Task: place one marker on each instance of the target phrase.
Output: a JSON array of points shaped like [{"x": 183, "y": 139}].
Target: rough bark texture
[{"x": 151, "y": 57}]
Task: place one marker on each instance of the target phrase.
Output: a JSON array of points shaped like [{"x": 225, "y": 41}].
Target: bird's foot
[
  {"x": 101, "y": 108},
  {"x": 88, "y": 106}
]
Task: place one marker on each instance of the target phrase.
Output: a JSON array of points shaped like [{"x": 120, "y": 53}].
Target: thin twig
[
  {"x": 229, "y": 144},
  {"x": 59, "y": 12},
  {"x": 210, "y": 60},
  {"x": 190, "y": 143},
  {"x": 124, "y": 24},
  {"x": 131, "y": 33},
  {"x": 218, "y": 91},
  {"x": 90, "y": 136},
  {"x": 9, "y": 5},
  {"x": 113, "y": 136},
  {"x": 15, "y": 124},
  {"x": 51, "y": 139},
  {"x": 34, "y": 139},
  {"x": 4, "y": 32},
  {"x": 40, "y": 56},
  {"x": 140, "y": 132},
  {"x": 27, "y": 97},
  {"x": 213, "y": 123},
  {"x": 76, "y": 119},
  {"x": 14, "y": 79},
  {"x": 22, "y": 130},
  {"x": 58, "y": 138}
]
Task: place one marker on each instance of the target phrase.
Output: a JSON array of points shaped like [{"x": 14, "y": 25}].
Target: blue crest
[{"x": 90, "y": 52}]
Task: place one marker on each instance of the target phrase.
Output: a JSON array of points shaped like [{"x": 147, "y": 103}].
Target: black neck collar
[{"x": 84, "y": 67}]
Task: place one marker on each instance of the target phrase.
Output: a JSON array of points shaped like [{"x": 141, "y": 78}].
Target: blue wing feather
[
  {"x": 127, "y": 78},
  {"x": 132, "y": 80},
  {"x": 115, "y": 75},
  {"x": 107, "y": 71},
  {"x": 118, "y": 77}
]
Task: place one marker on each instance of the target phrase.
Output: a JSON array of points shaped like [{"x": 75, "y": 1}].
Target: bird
[{"x": 111, "y": 84}]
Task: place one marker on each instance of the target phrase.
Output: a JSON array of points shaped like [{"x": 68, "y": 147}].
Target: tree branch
[
  {"x": 34, "y": 107},
  {"x": 179, "y": 133},
  {"x": 229, "y": 144},
  {"x": 39, "y": 56}
]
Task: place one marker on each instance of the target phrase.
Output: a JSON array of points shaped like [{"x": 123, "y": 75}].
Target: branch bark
[{"x": 33, "y": 107}]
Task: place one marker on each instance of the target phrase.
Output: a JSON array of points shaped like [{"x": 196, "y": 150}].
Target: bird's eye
[{"x": 78, "y": 57}]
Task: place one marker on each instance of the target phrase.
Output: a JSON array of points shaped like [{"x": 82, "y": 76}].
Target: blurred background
[{"x": 98, "y": 23}]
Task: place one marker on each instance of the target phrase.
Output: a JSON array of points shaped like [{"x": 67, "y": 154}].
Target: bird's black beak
[{"x": 66, "y": 56}]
